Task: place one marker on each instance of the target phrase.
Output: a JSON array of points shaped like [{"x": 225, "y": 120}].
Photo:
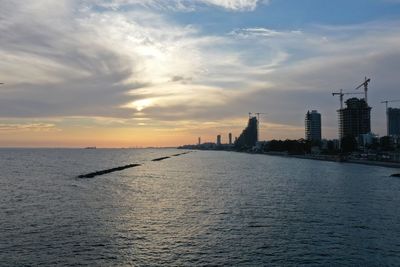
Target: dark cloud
[{"x": 58, "y": 67}]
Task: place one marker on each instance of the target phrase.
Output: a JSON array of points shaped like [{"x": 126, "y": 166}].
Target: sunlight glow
[{"x": 141, "y": 104}]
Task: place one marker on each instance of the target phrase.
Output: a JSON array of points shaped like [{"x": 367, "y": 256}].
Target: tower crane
[
  {"x": 389, "y": 101},
  {"x": 258, "y": 115},
  {"x": 341, "y": 94},
  {"x": 387, "y": 115},
  {"x": 365, "y": 85}
]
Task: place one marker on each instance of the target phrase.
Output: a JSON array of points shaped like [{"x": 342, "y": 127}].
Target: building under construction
[
  {"x": 249, "y": 136},
  {"x": 355, "y": 119}
]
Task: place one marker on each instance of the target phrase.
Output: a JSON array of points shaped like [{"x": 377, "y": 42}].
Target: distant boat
[{"x": 90, "y": 147}]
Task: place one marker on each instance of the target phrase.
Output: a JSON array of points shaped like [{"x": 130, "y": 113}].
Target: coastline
[
  {"x": 395, "y": 165},
  {"x": 331, "y": 158}
]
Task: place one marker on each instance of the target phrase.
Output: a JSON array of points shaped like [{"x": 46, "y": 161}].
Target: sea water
[{"x": 202, "y": 208}]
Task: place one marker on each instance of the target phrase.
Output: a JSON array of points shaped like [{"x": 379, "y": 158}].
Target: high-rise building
[
  {"x": 355, "y": 119},
  {"x": 313, "y": 126},
  {"x": 249, "y": 136},
  {"x": 199, "y": 141},
  {"x": 393, "y": 121},
  {"x": 218, "y": 140},
  {"x": 230, "y": 138}
]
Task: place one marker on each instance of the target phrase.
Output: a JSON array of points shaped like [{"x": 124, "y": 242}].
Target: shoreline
[
  {"x": 331, "y": 158},
  {"x": 395, "y": 165}
]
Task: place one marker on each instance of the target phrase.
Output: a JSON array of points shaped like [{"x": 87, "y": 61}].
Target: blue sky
[
  {"x": 152, "y": 72},
  {"x": 292, "y": 14}
]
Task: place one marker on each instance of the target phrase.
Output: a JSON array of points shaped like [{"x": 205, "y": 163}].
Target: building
[
  {"x": 355, "y": 119},
  {"x": 367, "y": 139},
  {"x": 249, "y": 137},
  {"x": 313, "y": 126},
  {"x": 393, "y": 121},
  {"x": 218, "y": 140},
  {"x": 230, "y": 138},
  {"x": 199, "y": 141}
]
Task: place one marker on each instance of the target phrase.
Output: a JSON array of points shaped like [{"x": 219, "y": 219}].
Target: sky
[{"x": 138, "y": 73}]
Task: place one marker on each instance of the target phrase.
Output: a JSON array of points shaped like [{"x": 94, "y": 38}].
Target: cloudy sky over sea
[{"x": 155, "y": 72}]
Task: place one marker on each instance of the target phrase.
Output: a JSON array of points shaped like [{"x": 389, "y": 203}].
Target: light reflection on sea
[{"x": 202, "y": 208}]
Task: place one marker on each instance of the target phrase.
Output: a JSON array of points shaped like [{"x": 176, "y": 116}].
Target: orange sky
[{"x": 53, "y": 135}]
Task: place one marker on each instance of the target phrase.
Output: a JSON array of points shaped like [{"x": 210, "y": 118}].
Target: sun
[{"x": 141, "y": 104}]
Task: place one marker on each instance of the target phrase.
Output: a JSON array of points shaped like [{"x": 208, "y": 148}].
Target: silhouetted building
[
  {"x": 393, "y": 121},
  {"x": 230, "y": 138},
  {"x": 249, "y": 136},
  {"x": 313, "y": 126},
  {"x": 218, "y": 140},
  {"x": 199, "y": 141},
  {"x": 355, "y": 119}
]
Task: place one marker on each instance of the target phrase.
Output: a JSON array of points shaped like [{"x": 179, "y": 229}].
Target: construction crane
[
  {"x": 258, "y": 115},
  {"x": 389, "y": 101},
  {"x": 387, "y": 115},
  {"x": 365, "y": 85},
  {"x": 341, "y": 94}
]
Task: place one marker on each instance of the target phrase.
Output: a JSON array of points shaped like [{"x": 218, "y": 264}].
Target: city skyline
[{"x": 127, "y": 73}]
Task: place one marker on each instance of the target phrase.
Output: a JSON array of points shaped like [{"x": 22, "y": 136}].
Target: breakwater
[
  {"x": 160, "y": 159},
  {"x": 167, "y": 157},
  {"x": 120, "y": 168},
  {"x": 97, "y": 173}
]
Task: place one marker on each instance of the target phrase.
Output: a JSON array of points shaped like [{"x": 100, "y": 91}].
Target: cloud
[
  {"x": 77, "y": 64},
  {"x": 141, "y": 66},
  {"x": 235, "y": 4},
  {"x": 310, "y": 67},
  {"x": 262, "y": 32},
  {"x": 35, "y": 127},
  {"x": 181, "y": 5}
]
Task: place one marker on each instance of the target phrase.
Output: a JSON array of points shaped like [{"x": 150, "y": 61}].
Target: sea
[{"x": 203, "y": 208}]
